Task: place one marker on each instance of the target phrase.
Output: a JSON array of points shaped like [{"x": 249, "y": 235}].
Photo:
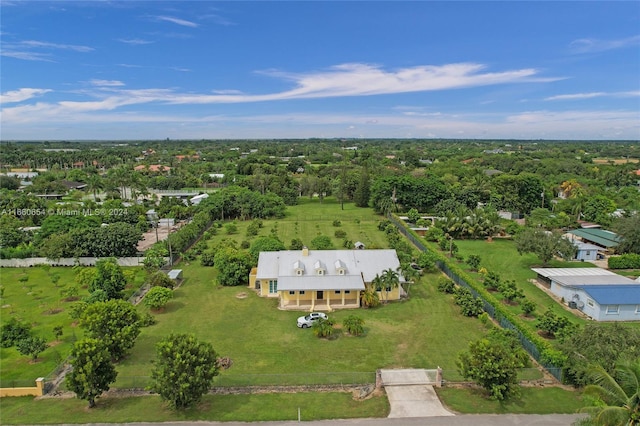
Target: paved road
[{"x": 459, "y": 420}]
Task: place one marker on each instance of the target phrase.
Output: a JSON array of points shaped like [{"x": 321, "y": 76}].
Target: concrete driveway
[{"x": 411, "y": 394}]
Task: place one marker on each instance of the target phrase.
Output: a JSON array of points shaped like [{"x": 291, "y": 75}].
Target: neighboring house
[
  {"x": 585, "y": 251},
  {"x": 322, "y": 279},
  {"x": 198, "y": 198},
  {"x": 604, "y": 239},
  {"x": 598, "y": 293},
  {"x": 155, "y": 168},
  {"x": 73, "y": 185}
]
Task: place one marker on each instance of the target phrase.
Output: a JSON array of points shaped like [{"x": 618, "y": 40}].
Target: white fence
[{"x": 69, "y": 261}]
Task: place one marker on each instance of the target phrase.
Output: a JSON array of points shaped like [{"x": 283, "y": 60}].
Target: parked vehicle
[{"x": 308, "y": 320}]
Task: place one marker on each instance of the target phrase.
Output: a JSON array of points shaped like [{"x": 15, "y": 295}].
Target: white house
[
  {"x": 599, "y": 293},
  {"x": 322, "y": 279}
]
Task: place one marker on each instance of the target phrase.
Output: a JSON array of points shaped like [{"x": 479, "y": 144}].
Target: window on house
[
  {"x": 388, "y": 289},
  {"x": 302, "y": 292},
  {"x": 347, "y": 292},
  {"x": 320, "y": 272},
  {"x": 637, "y": 309},
  {"x": 299, "y": 272},
  {"x": 588, "y": 252},
  {"x": 337, "y": 291},
  {"x": 590, "y": 303},
  {"x": 273, "y": 286},
  {"x": 291, "y": 292},
  {"x": 613, "y": 309}
]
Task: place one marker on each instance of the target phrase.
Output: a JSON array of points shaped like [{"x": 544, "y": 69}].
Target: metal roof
[
  {"x": 598, "y": 236},
  {"x": 317, "y": 282},
  {"x": 590, "y": 280},
  {"x": 364, "y": 264},
  {"x": 614, "y": 294},
  {"x": 571, "y": 272}
]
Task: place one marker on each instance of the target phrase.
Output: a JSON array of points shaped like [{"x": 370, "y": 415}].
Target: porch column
[
  {"x": 342, "y": 297},
  {"x": 313, "y": 299},
  {"x": 328, "y": 299},
  {"x": 298, "y": 298}
]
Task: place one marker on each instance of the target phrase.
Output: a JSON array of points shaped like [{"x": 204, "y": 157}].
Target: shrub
[
  {"x": 321, "y": 242},
  {"x": 445, "y": 285},
  {"x": 158, "y": 297},
  {"x": 323, "y": 328},
  {"x": 160, "y": 279},
  {"x": 207, "y": 258},
  {"x": 354, "y": 325},
  {"x": 528, "y": 307},
  {"x": 231, "y": 228},
  {"x": 340, "y": 233},
  {"x": 296, "y": 244},
  {"x": 13, "y": 331},
  {"x": 347, "y": 243},
  {"x": 383, "y": 224},
  {"x": 245, "y": 244},
  {"x": 625, "y": 261},
  {"x": 474, "y": 261},
  {"x": 32, "y": 346},
  {"x": 147, "y": 319},
  {"x": 337, "y": 223},
  {"x": 413, "y": 215}
]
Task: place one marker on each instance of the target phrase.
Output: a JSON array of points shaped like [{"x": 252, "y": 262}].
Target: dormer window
[
  {"x": 341, "y": 268},
  {"x": 298, "y": 268},
  {"x": 319, "y": 267}
]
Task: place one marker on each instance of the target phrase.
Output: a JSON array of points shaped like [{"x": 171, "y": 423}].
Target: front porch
[{"x": 319, "y": 300}]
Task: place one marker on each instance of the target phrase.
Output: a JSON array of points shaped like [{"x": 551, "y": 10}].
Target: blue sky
[{"x": 218, "y": 70}]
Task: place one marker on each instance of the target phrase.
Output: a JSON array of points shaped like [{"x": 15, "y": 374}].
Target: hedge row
[
  {"x": 625, "y": 261},
  {"x": 182, "y": 239},
  {"x": 548, "y": 354}
]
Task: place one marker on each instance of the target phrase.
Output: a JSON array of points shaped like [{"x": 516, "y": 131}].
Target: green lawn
[
  {"x": 267, "y": 348},
  {"x": 256, "y": 407},
  {"x": 501, "y": 256},
  {"x": 547, "y": 400},
  {"x": 311, "y": 218},
  {"x": 38, "y": 302}
]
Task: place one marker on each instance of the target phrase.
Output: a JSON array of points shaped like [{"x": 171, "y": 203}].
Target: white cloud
[
  {"x": 108, "y": 83},
  {"x": 177, "y": 21},
  {"x": 27, "y": 56},
  {"x": 134, "y": 41},
  {"x": 48, "y": 45},
  {"x": 21, "y": 95},
  {"x": 590, "y": 95},
  {"x": 588, "y": 45}
]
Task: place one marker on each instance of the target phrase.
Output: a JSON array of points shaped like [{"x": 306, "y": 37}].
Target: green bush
[
  {"x": 340, "y": 233},
  {"x": 13, "y": 331},
  {"x": 445, "y": 285},
  {"x": 207, "y": 258},
  {"x": 625, "y": 261}
]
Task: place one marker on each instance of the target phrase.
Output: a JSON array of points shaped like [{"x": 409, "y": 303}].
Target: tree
[
  {"x": 233, "y": 266},
  {"x": 13, "y": 331},
  {"x": 115, "y": 323},
  {"x": 323, "y": 328},
  {"x": 109, "y": 278},
  {"x": 32, "y": 346},
  {"x": 629, "y": 230},
  {"x": 321, "y": 242},
  {"x": 183, "y": 370},
  {"x": 617, "y": 393},
  {"x": 474, "y": 261},
  {"x": 601, "y": 344},
  {"x": 158, "y": 297},
  {"x": 492, "y": 363},
  {"x": 354, "y": 325},
  {"x": 92, "y": 371},
  {"x": 546, "y": 245},
  {"x": 160, "y": 279},
  {"x": 265, "y": 244},
  {"x": 390, "y": 280},
  {"x": 57, "y": 332},
  {"x": 94, "y": 184},
  {"x": 551, "y": 324}
]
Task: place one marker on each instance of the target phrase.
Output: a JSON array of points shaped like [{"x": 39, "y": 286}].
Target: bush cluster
[{"x": 625, "y": 261}]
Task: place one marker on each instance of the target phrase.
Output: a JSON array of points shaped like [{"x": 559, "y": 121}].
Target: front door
[{"x": 320, "y": 295}]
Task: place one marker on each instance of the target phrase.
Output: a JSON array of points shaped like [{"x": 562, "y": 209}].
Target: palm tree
[
  {"x": 390, "y": 280},
  {"x": 618, "y": 395},
  {"x": 409, "y": 274},
  {"x": 94, "y": 183},
  {"x": 369, "y": 296}
]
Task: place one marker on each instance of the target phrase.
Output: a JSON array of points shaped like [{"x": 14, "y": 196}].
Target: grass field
[
  {"x": 37, "y": 301},
  {"x": 549, "y": 400},
  {"x": 267, "y": 348},
  {"x": 501, "y": 256},
  {"x": 245, "y": 408}
]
